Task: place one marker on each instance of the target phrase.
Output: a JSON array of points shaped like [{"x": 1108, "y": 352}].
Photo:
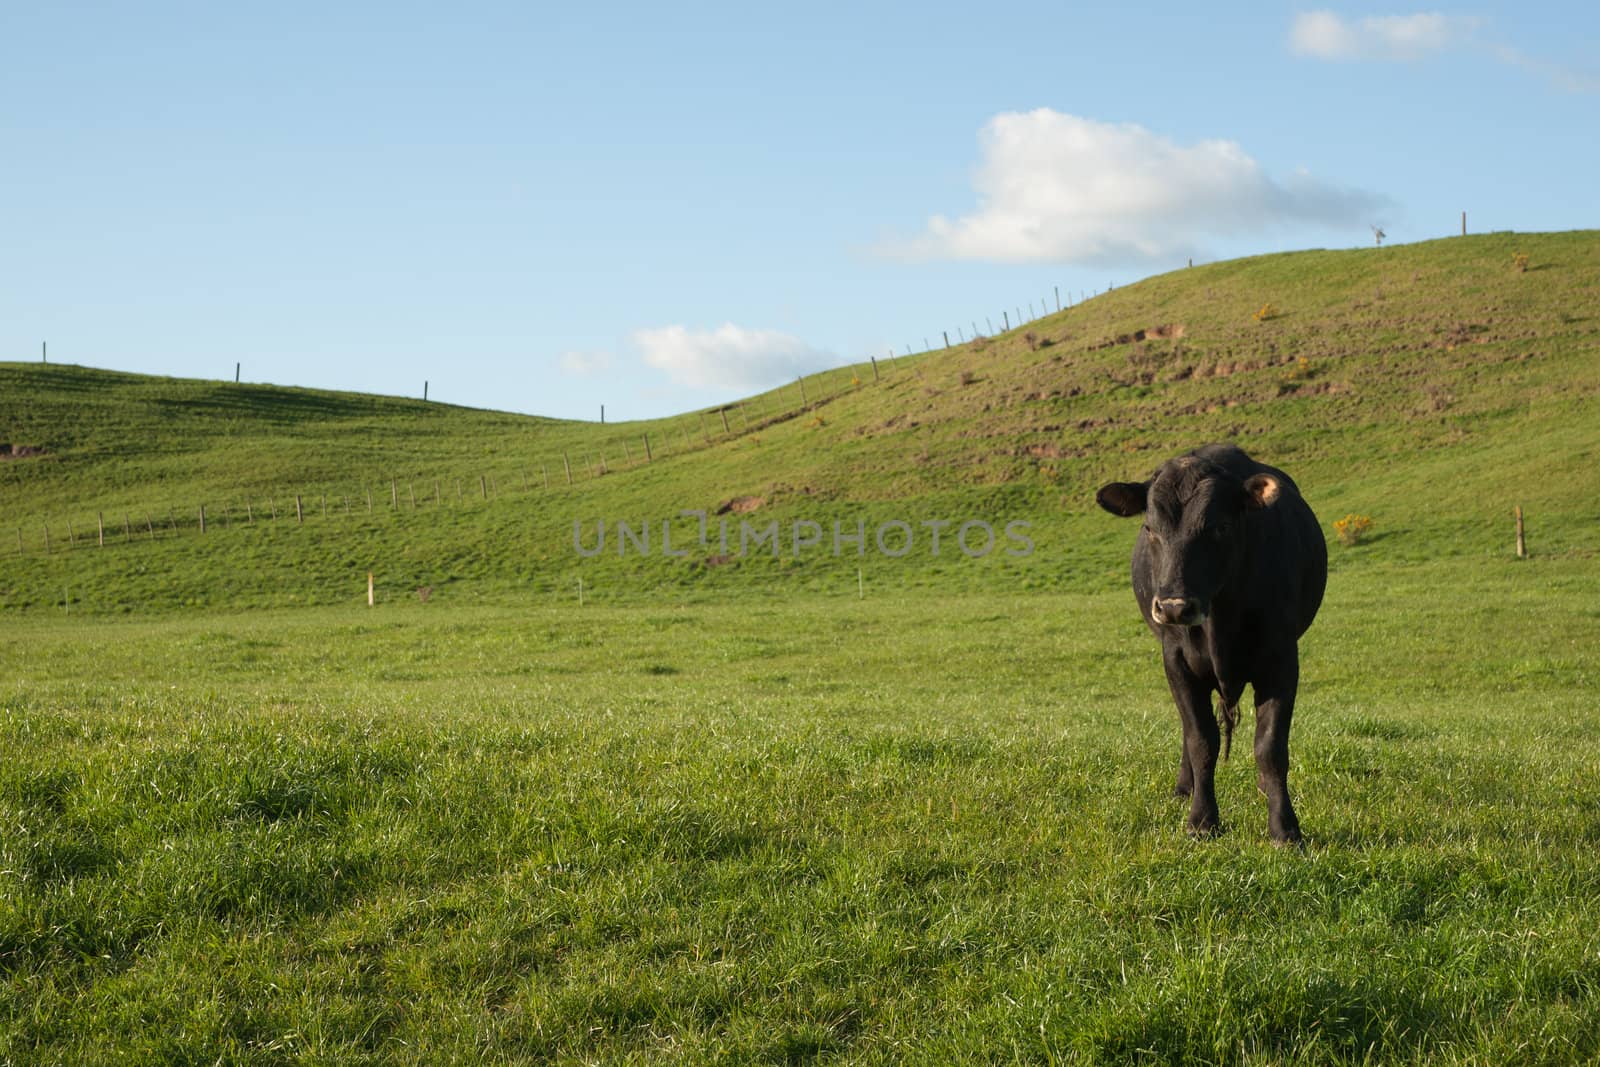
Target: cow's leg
[
  {"x": 1274, "y": 710},
  {"x": 1201, "y": 740}
]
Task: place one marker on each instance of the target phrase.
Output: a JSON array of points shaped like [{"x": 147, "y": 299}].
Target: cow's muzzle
[{"x": 1177, "y": 611}]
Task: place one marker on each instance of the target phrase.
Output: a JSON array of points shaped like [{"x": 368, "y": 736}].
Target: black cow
[{"x": 1229, "y": 570}]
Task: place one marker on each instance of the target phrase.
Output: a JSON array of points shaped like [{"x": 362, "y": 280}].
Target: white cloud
[
  {"x": 1326, "y": 35},
  {"x": 1322, "y": 34},
  {"x": 1563, "y": 78},
  {"x": 585, "y": 364},
  {"x": 729, "y": 357},
  {"x": 1057, "y": 187}
]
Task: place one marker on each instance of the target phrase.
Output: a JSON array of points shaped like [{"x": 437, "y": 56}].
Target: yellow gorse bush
[{"x": 1352, "y": 528}]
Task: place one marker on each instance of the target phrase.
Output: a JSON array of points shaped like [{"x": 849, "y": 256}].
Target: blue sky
[{"x": 658, "y": 207}]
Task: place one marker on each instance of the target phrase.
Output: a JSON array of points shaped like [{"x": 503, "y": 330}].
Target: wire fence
[{"x": 618, "y": 450}]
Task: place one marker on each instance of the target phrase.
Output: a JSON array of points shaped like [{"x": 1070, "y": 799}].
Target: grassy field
[
  {"x": 737, "y": 811},
  {"x": 924, "y": 829}
]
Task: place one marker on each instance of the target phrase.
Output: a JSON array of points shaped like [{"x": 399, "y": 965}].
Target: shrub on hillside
[{"x": 1352, "y": 528}]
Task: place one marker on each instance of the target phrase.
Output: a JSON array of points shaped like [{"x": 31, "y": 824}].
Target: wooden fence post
[
  {"x": 648, "y": 458},
  {"x": 299, "y": 512},
  {"x": 249, "y": 514},
  {"x": 874, "y": 367},
  {"x": 149, "y": 526},
  {"x": 411, "y": 491},
  {"x": 1522, "y": 547},
  {"x": 47, "y": 539},
  {"x": 127, "y": 528},
  {"x": 371, "y": 591},
  {"x": 483, "y": 486},
  {"x": 802, "y": 380},
  {"x": 100, "y": 522},
  {"x": 19, "y": 541},
  {"x": 567, "y": 463},
  {"x": 394, "y": 494},
  {"x": 724, "y": 412},
  {"x": 202, "y": 518}
]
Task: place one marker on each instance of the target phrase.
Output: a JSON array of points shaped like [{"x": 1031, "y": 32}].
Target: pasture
[
  {"x": 919, "y": 827},
  {"x": 730, "y": 809}
]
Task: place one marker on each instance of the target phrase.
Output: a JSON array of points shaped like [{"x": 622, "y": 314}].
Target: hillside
[{"x": 1430, "y": 386}]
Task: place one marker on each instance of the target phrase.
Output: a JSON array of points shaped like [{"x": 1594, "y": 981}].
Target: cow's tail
[{"x": 1228, "y": 712}]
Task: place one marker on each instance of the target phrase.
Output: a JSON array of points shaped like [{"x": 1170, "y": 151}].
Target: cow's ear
[
  {"x": 1123, "y": 498},
  {"x": 1261, "y": 491}
]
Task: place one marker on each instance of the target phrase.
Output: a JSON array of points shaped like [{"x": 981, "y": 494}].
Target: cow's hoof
[
  {"x": 1204, "y": 828},
  {"x": 1289, "y": 839}
]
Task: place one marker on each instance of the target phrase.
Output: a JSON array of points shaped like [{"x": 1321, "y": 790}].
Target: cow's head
[{"x": 1194, "y": 514}]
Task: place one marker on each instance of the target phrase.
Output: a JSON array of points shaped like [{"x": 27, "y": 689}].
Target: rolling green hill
[{"x": 1430, "y": 386}]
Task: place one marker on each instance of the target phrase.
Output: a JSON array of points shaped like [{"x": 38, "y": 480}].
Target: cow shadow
[{"x": 1373, "y": 538}]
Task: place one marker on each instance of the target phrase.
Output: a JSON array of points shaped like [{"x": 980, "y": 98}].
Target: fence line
[{"x": 754, "y": 415}]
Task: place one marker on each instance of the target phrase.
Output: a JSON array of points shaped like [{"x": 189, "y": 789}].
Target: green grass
[
  {"x": 735, "y": 814},
  {"x": 929, "y": 829}
]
